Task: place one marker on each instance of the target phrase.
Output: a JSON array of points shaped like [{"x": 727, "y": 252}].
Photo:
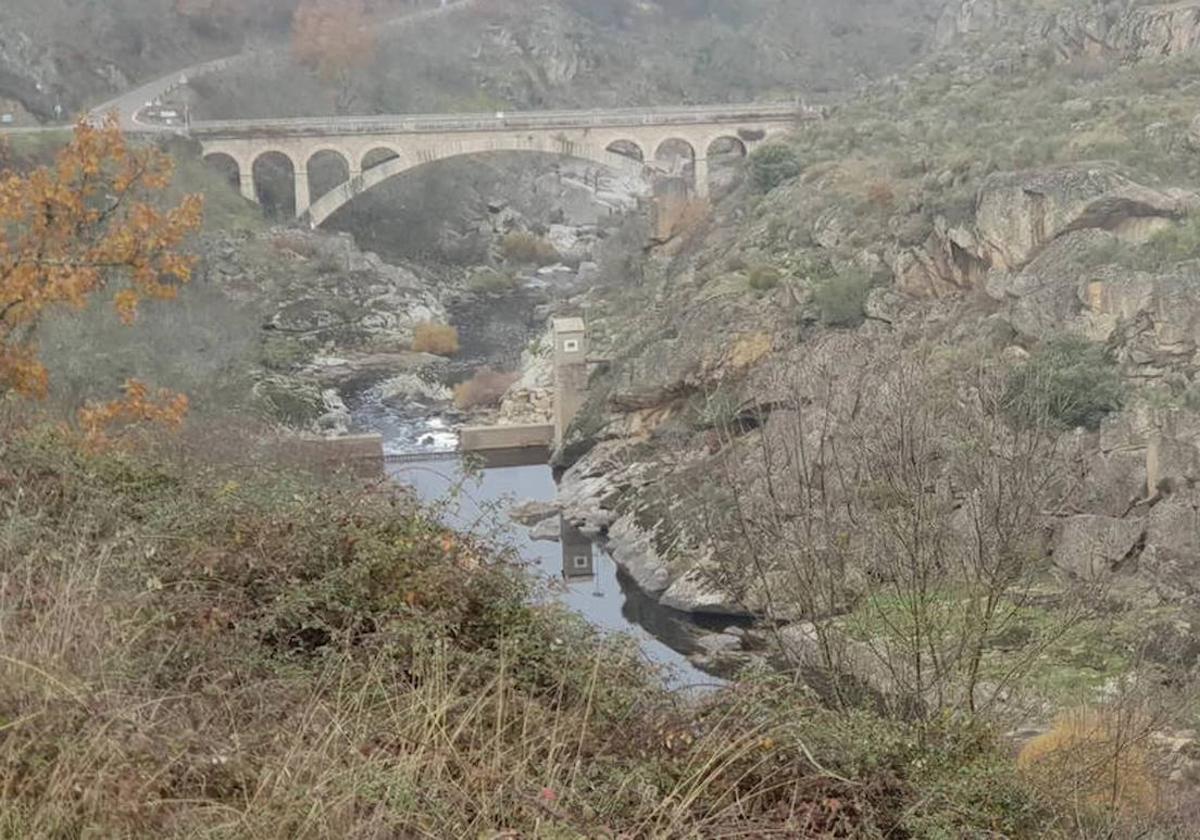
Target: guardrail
[{"x": 432, "y": 123}]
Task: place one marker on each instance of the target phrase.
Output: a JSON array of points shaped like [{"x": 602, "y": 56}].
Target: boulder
[
  {"x": 1091, "y": 548},
  {"x": 1171, "y": 560},
  {"x": 694, "y": 593},
  {"x": 548, "y": 530},
  {"x": 533, "y": 511},
  {"x": 633, "y": 550},
  {"x": 714, "y": 644},
  {"x": 946, "y": 263},
  {"x": 964, "y": 17},
  {"x": 1019, "y": 213}
]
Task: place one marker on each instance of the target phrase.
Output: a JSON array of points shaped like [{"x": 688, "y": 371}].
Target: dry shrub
[
  {"x": 485, "y": 389},
  {"x": 438, "y": 339},
  {"x": 527, "y": 249},
  {"x": 881, "y": 195},
  {"x": 680, "y": 217},
  {"x": 1096, "y": 759}
]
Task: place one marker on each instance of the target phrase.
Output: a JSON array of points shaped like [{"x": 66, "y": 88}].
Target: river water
[{"x": 579, "y": 572}]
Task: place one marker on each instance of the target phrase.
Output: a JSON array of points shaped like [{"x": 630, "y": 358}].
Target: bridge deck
[{"x": 545, "y": 120}]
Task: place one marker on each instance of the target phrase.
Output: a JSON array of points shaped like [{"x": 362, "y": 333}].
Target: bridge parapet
[{"x": 502, "y": 122}]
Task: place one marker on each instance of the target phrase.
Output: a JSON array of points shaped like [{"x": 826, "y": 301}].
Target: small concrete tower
[
  {"x": 578, "y": 554},
  {"x": 570, "y": 372}
]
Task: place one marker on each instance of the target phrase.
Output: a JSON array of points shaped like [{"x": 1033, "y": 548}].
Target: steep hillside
[
  {"x": 573, "y": 54},
  {"x": 955, "y": 322}
]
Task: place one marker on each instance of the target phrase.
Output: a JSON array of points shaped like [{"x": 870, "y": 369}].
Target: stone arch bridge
[{"x": 374, "y": 149}]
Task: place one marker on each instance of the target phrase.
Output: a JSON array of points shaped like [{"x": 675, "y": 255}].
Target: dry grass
[
  {"x": 1096, "y": 758},
  {"x": 198, "y": 651},
  {"x": 483, "y": 390},
  {"x": 438, "y": 339}
]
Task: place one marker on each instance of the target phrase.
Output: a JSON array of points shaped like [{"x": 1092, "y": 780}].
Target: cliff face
[{"x": 1074, "y": 29}]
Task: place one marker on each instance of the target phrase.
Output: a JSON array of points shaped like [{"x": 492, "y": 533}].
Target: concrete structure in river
[
  {"x": 570, "y": 392},
  {"x": 374, "y": 149},
  {"x": 570, "y": 372}
]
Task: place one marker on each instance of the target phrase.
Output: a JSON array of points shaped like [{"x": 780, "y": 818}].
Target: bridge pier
[
  {"x": 246, "y": 182},
  {"x": 303, "y": 194},
  {"x": 700, "y": 173}
]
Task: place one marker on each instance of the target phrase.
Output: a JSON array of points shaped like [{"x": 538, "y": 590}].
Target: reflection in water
[
  {"x": 578, "y": 554},
  {"x": 583, "y": 576}
]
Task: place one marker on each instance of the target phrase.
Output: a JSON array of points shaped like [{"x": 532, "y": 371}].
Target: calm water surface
[{"x": 605, "y": 598}]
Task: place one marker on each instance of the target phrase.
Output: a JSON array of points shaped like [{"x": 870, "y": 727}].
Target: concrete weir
[
  {"x": 500, "y": 445},
  {"x": 490, "y": 438}
]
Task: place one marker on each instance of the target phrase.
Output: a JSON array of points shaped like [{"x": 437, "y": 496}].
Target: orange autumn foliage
[
  {"x": 73, "y": 229},
  {"x": 332, "y": 36},
  {"x": 135, "y": 408}
]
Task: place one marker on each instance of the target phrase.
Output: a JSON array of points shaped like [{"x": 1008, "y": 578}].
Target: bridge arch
[
  {"x": 674, "y": 149},
  {"x": 375, "y": 156},
  {"x": 725, "y": 147},
  {"x": 277, "y": 185},
  {"x": 627, "y": 148},
  {"x": 326, "y": 169},
  {"x": 227, "y": 165},
  {"x": 337, "y": 198}
]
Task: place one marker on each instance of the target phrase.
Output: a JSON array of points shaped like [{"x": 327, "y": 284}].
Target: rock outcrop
[
  {"x": 1019, "y": 213},
  {"x": 1093, "y": 29}
]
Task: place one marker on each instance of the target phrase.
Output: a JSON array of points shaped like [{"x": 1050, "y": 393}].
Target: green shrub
[
  {"x": 1069, "y": 382},
  {"x": 1172, "y": 245},
  {"x": 842, "y": 299},
  {"x": 490, "y": 281},
  {"x": 772, "y": 165},
  {"x": 763, "y": 278}
]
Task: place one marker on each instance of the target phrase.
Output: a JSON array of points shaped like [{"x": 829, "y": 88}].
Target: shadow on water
[{"x": 579, "y": 571}]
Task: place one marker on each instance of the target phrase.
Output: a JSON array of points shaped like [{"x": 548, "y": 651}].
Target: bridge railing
[{"x": 429, "y": 123}]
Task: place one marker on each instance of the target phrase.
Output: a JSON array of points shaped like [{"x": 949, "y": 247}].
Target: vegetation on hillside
[{"x": 192, "y": 649}]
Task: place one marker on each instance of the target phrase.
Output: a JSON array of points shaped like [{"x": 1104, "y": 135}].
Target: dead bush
[
  {"x": 1095, "y": 759},
  {"x": 438, "y": 339},
  {"x": 881, "y": 195},
  {"x": 485, "y": 389},
  {"x": 525, "y": 248}
]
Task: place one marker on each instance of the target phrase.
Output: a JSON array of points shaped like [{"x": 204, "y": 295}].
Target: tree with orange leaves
[
  {"x": 83, "y": 225},
  {"x": 333, "y": 38}
]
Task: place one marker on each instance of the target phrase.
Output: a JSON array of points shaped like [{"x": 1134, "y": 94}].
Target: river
[{"x": 477, "y": 503}]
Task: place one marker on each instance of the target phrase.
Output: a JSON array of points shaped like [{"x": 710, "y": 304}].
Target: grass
[{"x": 194, "y": 649}]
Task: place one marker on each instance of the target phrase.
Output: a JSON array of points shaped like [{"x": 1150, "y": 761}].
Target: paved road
[{"x": 129, "y": 104}]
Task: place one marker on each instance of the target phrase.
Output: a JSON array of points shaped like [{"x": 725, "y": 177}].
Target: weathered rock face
[
  {"x": 1168, "y": 29},
  {"x": 692, "y": 592},
  {"x": 320, "y": 290},
  {"x": 947, "y": 263},
  {"x": 1019, "y": 213},
  {"x": 1063, "y": 211},
  {"x": 1095, "y": 29},
  {"x": 531, "y": 398},
  {"x": 1094, "y": 547},
  {"x": 1171, "y": 560},
  {"x": 965, "y": 17},
  {"x": 633, "y": 550}
]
